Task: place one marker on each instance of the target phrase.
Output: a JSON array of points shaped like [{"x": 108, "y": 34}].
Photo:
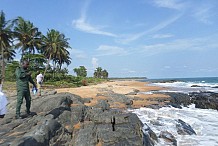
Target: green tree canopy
[
  {"x": 81, "y": 71},
  {"x": 55, "y": 47},
  {"x": 104, "y": 74},
  {"x": 10, "y": 70},
  {"x": 100, "y": 73},
  {"x": 6, "y": 37},
  {"x": 27, "y": 36}
]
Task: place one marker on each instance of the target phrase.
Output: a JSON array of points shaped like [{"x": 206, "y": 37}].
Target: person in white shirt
[
  {"x": 3, "y": 103},
  {"x": 39, "y": 80}
]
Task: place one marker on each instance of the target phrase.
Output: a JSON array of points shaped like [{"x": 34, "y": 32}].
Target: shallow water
[{"x": 203, "y": 121}]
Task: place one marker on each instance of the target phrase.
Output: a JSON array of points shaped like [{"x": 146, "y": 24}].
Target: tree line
[
  {"x": 41, "y": 50},
  {"x": 98, "y": 73}
]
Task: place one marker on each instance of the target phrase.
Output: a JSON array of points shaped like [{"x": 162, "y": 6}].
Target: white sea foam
[
  {"x": 203, "y": 121},
  {"x": 186, "y": 87}
]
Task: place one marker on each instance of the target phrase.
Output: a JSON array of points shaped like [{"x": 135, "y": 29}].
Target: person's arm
[
  {"x": 20, "y": 74},
  {"x": 31, "y": 81}
]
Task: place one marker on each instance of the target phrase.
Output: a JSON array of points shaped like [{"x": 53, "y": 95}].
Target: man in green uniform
[{"x": 23, "y": 77}]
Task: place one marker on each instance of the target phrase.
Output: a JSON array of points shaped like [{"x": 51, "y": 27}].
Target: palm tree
[
  {"x": 6, "y": 39},
  {"x": 36, "y": 61},
  {"x": 28, "y": 36},
  {"x": 104, "y": 74},
  {"x": 62, "y": 57},
  {"x": 81, "y": 71},
  {"x": 9, "y": 54},
  {"x": 98, "y": 72},
  {"x": 54, "y": 48}
]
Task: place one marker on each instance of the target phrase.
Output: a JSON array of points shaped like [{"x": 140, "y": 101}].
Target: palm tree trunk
[
  {"x": 46, "y": 68},
  {"x": 3, "y": 68},
  {"x": 53, "y": 70}
]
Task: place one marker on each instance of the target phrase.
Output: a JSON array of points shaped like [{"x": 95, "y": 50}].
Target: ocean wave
[
  {"x": 186, "y": 87},
  {"x": 203, "y": 121}
]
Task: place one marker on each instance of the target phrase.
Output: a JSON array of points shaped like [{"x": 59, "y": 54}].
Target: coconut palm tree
[
  {"x": 98, "y": 72},
  {"x": 28, "y": 36},
  {"x": 104, "y": 74},
  {"x": 81, "y": 71},
  {"x": 54, "y": 48},
  {"x": 9, "y": 54},
  {"x": 62, "y": 57},
  {"x": 6, "y": 39}
]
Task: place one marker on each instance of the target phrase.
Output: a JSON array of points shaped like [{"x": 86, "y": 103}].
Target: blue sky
[{"x": 149, "y": 38}]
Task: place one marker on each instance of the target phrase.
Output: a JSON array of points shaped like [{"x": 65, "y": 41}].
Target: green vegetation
[
  {"x": 46, "y": 53},
  {"x": 100, "y": 73},
  {"x": 81, "y": 71}
]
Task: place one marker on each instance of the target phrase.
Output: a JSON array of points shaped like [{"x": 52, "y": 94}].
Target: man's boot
[{"x": 18, "y": 117}]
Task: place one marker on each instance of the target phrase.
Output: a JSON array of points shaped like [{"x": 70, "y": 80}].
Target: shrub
[{"x": 84, "y": 82}]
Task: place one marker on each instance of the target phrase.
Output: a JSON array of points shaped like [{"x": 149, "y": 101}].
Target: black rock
[
  {"x": 168, "y": 137},
  {"x": 205, "y": 100},
  {"x": 184, "y": 128}
]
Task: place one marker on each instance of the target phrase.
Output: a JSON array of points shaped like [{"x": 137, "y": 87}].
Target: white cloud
[
  {"x": 196, "y": 44},
  {"x": 82, "y": 24},
  {"x": 167, "y": 67},
  {"x": 202, "y": 11},
  {"x": 132, "y": 71},
  {"x": 161, "y": 36},
  {"x": 162, "y": 25},
  {"x": 105, "y": 50},
  {"x": 78, "y": 53},
  {"x": 127, "y": 70},
  {"x": 203, "y": 14},
  {"x": 95, "y": 62},
  {"x": 170, "y": 4}
]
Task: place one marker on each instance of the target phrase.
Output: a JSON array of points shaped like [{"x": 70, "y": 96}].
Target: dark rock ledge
[{"x": 63, "y": 119}]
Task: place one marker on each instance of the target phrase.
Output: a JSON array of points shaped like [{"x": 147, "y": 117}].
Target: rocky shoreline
[
  {"x": 63, "y": 119},
  {"x": 101, "y": 120}
]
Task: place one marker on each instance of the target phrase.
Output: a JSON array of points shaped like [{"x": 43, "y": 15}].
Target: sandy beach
[{"x": 131, "y": 88}]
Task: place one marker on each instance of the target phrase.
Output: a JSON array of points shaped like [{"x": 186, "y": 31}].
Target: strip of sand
[{"x": 131, "y": 88}]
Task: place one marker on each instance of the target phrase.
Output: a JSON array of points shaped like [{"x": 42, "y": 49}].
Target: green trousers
[{"x": 20, "y": 95}]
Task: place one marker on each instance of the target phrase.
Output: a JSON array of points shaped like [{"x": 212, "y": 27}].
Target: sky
[{"x": 131, "y": 38}]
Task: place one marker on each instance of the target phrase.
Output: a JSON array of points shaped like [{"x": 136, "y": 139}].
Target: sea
[{"x": 203, "y": 121}]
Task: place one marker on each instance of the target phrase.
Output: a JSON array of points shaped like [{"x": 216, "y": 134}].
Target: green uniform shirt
[{"x": 23, "y": 79}]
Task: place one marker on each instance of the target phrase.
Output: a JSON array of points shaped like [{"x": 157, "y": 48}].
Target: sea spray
[{"x": 203, "y": 121}]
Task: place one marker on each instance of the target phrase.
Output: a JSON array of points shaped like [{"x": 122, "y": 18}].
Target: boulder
[
  {"x": 184, "y": 128},
  {"x": 63, "y": 119},
  {"x": 167, "y": 136},
  {"x": 178, "y": 99},
  {"x": 114, "y": 97},
  {"x": 205, "y": 100}
]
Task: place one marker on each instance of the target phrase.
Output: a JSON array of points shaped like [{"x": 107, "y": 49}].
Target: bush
[{"x": 84, "y": 82}]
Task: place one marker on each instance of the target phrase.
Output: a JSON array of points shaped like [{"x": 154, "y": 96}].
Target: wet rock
[
  {"x": 178, "y": 99},
  {"x": 184, "y": 128},
  {"x": 168, "y": 137},
  {"x": 154, "y": 106},
  {"x": 150, "y": 138},
  {"x": 175, "y": 105},
  {"x": 196, "y": 86},
  {"x": 205, "y": 100}
]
